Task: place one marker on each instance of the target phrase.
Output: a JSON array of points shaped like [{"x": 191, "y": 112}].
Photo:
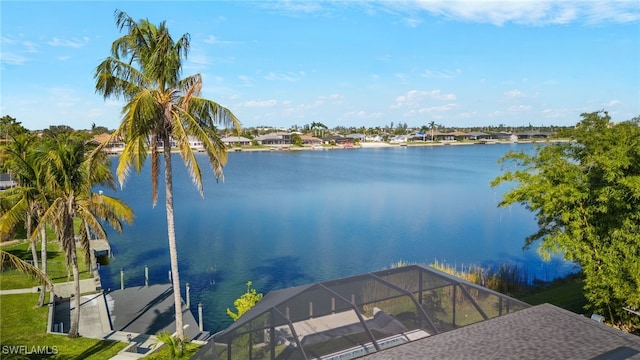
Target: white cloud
[
  {"x": 246, "y": 80},
  {"x": 12, "y": 59},
  {"x": 362, "y": 115},
  {"x": 440, "y": 108},
  {"x": 498, "y": 13},
  {"x": 73, "y": 43},
  {"x": 411, "y": 22},
  {"x": 212, "y": 40},
  {"x": 258, "y": 103},
  {"x": 334, "y": 98},
  {"x": 415, "y": 98},
  {"x": 514, "y": 94},
  {"x": 289, "y": 76},
  {"x": 520, "y": 108},
  {"x": 613, "y": 103},
  {"x": 444, "y": 74},
  {"x": 539, "y": 12},
  {"x": 30, "y": 46}
]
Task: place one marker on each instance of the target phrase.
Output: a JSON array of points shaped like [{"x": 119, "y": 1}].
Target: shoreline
[{"x": 363, "y": 145}]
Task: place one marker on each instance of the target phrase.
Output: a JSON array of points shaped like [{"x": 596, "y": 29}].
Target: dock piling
[
  {"x": 188, "y": 295},
  {"x": 201, "y": 325}
]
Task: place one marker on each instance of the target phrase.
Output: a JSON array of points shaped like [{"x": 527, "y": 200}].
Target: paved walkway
[{"x": 134, "y": 311}]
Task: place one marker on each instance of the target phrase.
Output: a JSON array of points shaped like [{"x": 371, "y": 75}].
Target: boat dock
[{"x": 100, "y": 247}]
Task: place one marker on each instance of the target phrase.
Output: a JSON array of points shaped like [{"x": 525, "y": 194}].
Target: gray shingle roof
[{"x": 541, "y": 332}]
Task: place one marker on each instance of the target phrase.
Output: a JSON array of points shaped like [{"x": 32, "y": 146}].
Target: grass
[
  {"x": 27, "y": 329},
  {"x": 566, "y": 293},
  {"x": 56, "y": 268},
  {"x": 23, "y": 326}
]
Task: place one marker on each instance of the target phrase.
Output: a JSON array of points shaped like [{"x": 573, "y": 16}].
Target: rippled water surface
[{"x": 286, "y": 218}]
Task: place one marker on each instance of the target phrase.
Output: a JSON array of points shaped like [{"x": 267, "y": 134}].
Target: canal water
[{"x": 286, "y": 218}]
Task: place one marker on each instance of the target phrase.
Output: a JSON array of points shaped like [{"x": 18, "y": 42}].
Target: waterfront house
[
  {"x": 195, "y": 144},
  {"x": 411, "y": 312},
  {"x": 310, "y": 140},
  {"x": 533, "y": 134},
  {"x": 275, "y": 138},
  {"x": 479, "y": 135},
  {"x": 354, "y": 136},
  {"x": 112, "y": 146},
  {"x": 335, "y": 139},
  {"x": 236, "y": 141}
]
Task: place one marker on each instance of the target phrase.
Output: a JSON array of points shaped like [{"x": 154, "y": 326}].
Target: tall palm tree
[
  {"x": 71, "y": 175},
  {"x": 144, "y": 69}
]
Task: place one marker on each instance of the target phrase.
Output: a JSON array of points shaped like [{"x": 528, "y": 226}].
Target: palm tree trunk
[
  {"x": 72, "y": 251},
  {"x": 92, "y": 255},
  {"x": 33, "y": 241},
  {"x": 171, "y": 232},
  {"x": 75, "y": 314},
  {"x": 43, "y": 257}
]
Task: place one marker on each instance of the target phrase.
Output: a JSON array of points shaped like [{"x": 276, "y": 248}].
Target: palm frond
[
  {"x": 7, "y": 259},
  {"x": 181, "y": 136}
]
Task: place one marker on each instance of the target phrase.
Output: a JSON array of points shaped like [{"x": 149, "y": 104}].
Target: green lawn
[
  {"x": 23, "y": 325},
  {"x": 566, "y": 293},
  {"x": 56, "y": 268}
]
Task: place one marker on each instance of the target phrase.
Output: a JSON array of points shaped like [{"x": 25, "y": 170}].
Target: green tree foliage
[
  {"x": 54, "y": 130},
  {"x": 586, "y": 197},
  {"x": 11, "y": 127},
  {"x": 244, "y": 302},
  {"x": 296, "y": 139}
]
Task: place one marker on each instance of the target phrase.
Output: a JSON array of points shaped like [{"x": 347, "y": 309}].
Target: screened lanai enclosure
[{"x": 351, "y": 317}]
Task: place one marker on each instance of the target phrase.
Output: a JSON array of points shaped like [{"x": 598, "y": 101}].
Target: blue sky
[{"x": 285, "y": 63}]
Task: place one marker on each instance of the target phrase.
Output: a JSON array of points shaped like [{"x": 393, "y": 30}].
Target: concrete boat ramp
[{"x": 134, "y": 315}]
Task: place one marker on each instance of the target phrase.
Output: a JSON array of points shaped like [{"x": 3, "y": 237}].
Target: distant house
[
  {"x": 6, "y": 182},
  {"x": 440, "y": 136},
  {"x": 336, "y": 138},
  {"x": 276, "y": 138},
  {"x": 420, "y": 136},
  {"x": 460, "y": 135},
  {"x": 533, "y": 134},
  {"x": 478, "y": 135},
  {"x": 236, "y": 140},
  {"x": 310, "y": 140},
  {"x": 112, "y": 146},
  {"x": 195, "y": 144},
  {"x": 503, "y": 135},
  {"x": 399, "y": 139},
  {"x": 354, "y": 136},
  {"x": 374, "y": 138}
]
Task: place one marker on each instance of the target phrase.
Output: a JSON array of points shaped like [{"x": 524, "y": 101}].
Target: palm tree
[
  {"x": 144, "y": 69},
  {"x": 71, "y": 174},
  {"x": 28, "y": 200},
  {"x": 432, "y": 125}
]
